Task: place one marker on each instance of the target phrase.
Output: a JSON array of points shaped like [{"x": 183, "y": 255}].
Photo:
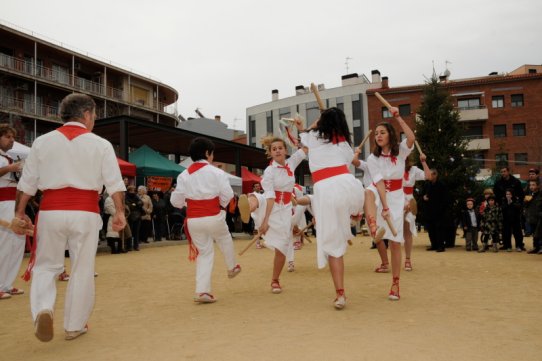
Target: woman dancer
[
  {"x": 387, "y": 167},
  {"x": 412, "y": 175},
  {"x": 337, "y": 194},
  {"x": 272, "y": 210}
]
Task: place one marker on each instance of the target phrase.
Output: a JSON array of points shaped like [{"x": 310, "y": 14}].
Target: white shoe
[
  {"x": 340, "y": 302},
  {"x": 71, "y": 335},
  {"x": 291, "y": 266},
  {"x": 235, "y": 271},
  {"x": 205, "y": 298}
]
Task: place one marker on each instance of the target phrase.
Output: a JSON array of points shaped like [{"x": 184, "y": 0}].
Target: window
[
  {"x": 497, "y": 101},
  {"x": 285, "y": 113},
  {"x": 532, "y": 71},
  {"x": 479, "y": 159},
  {"x": 385, "y": 113},
  {"x": 518, "y": 130},
  {"x": 520, "y": 158},
  {"x": 499, "y": 131},
  {"x": 517, "y": 100},
  {"x": 474, "y": 132},
  {"x": 251, "y": 131},
  {"x": 471, "y": 103},
  {"x": 269, "y": 119},
  {"x": 502, "y": 160},
  {"x": 340, "y": 103},
  {"x": 404, "y": 110}
]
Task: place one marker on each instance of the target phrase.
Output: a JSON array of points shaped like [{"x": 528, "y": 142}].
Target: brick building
[{"x": 502, "y": 115}]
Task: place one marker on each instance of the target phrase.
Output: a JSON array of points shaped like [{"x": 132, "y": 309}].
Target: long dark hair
[
  {"x": 332, "y": 124},
  {"x": 393, "y": 139}
]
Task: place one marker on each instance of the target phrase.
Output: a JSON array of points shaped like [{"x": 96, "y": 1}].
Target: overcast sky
[{"x": 225, "y": 56}]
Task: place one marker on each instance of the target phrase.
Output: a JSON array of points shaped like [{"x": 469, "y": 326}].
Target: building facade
[
  {"x": 35, "y": 75},
  {"x": 502, "y": 114}
]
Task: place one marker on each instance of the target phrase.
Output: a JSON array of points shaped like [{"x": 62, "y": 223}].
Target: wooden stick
[
  {"x": 6, "y": 224},
  {"x": 383, "y": 101},
  {"x": 256, "y": 237},
  {"x": 418, "y": 146},
  {"x": 365, "y": 139},
  {"x": 390, "y": 224},
  {"x": 314, "y": 89}
]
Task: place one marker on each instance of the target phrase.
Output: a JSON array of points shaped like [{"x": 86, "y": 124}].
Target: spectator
[
  {"x": 507, "y": 181},
  {"x": 533, "y": 175},
  {"x": 533, "y": 204},
  {"x": 491, "y": 225},
  {"x": 159, "y": 216},
  {"x": 134, "y": 219},
  {"x": 437, "y": 202},
  {"x": 511, "y": 212},
  {"x": 146, "y": 225},
  {"x": 471, "y": 225}
]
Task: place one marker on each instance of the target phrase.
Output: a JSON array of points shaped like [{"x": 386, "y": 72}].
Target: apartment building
[
  {"x": 36, "y": 74},
  {"x": 502, "y": 114}
]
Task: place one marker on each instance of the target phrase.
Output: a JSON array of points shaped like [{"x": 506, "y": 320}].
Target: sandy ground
[{"x": 455, "y": 305}]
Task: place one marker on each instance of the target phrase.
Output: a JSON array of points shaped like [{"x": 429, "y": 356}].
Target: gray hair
[
  {"x": 142, "y": 188},
  {"x": 75, "y": 105}
]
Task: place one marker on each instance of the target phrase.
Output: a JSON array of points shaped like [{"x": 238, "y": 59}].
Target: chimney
[
  {"x": 217, "y": 118},
  {"x": 274, "y": 94},
  {"x": 493, "y": 73},
  {"x": 299, "y": 90},
  {"x": 375, "y": 74},
  {"x": 443, "y": 78},
  {"x": 385, "y": 82}
]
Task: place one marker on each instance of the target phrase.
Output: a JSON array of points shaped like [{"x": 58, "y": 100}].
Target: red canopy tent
[
  {"x": 126, "y": 168},
  {"x": 249, "y": 179}
]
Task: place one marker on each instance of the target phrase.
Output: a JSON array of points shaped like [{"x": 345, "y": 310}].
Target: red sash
[
  {"x": 325, "y": 173},
  {"x": 283, "y": 197},
  {"x": 8, "y": 193},
  {"x": 408, "y": 190},
  {"x": 63, "y": 199},
  {"x": 393, "y": 184},
  {"x": 197, "y": 208}
]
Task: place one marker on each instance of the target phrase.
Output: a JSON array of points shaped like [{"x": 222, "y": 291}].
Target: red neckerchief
[
  {"x": 72, "y": 131},
  {"x": 195, "y": 167},
  {"x": 288, "y": 170},
  {"x": 337, "y": 139},
  {"x": 392, "y": 157}
]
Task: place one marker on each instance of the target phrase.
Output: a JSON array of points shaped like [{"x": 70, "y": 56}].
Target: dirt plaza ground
[{"x": 455, "y": 305}]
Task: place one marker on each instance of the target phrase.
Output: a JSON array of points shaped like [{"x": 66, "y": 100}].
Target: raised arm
[{"x": 410, "y": 137}]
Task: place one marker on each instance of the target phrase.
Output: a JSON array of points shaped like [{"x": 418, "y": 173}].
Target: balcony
[
  {"x": 473, "y": 113},
  {"x": 68, "y": 80},
  {"x": 26, "y": 107},
  {"x": 478, "y": 144}
]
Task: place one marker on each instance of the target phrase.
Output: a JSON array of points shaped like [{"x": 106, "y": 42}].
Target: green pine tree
[{"x": 440, "y": 135}]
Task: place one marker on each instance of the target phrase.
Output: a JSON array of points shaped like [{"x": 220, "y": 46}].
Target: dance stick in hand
[
  {"x": 418, "y": 147},
  {"x": 383, "y": 101},
  {"x": 390, "y": 224},
  {"x": 365, "y": 139},
  {"x": 314, "y": 89},
  {"x": 256, "y": 237},
  {"x": 302, "y": 231}
]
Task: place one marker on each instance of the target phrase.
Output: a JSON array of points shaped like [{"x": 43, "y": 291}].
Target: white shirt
[
  {"x": 86, "y": 162},
  {"x": 384, "y": 168},
  {"x": 207, "y": 182},
  {"x": 324, "y": 154},
  {"x": 276, "y": 178},
  {"x": 7, "y": 179}
]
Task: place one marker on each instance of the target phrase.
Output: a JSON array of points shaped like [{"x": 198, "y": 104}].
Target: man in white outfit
[
  {"x": 11, "y": 244},
  {"x": 70, "y": 165}
]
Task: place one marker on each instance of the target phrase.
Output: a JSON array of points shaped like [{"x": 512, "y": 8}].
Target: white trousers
[
  {"x": 204, "y": 231},
  {"x": 79, "y": 231},
  {"x": 11, "y": 248}
]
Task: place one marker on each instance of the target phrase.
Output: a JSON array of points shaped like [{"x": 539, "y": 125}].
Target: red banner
[{"x": 159, "y": 183}]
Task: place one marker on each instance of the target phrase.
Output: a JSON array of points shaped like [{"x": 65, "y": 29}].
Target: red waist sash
[
  {"x": 408, "y": 190},
  {"x": 70, "y": 199},
  {"x": 392, "y": 184},
  {"x": 8, "y": 193},
  {"x": 325, "y": 173},
  {"x": 283, "y": 197},
  {"x": 197, "y": 208}
]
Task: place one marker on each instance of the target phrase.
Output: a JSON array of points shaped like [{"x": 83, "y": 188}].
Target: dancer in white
[
  {"x": 272, "y": 210},
  {"x": 11, "y": 244},
  {"x": 337, "y": 194},
  {"x": 70, "y": 166},
  {"x": 412, "y": 175},
  {"x": 387, "y": 167},
  {"x": 204, "y": 189}
]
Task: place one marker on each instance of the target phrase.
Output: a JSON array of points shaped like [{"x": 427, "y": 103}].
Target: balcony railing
[
  {"x": 67, "y": 79},
  {"x": 26, "y": 106},
  {"x": 475, "y": 113}
]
